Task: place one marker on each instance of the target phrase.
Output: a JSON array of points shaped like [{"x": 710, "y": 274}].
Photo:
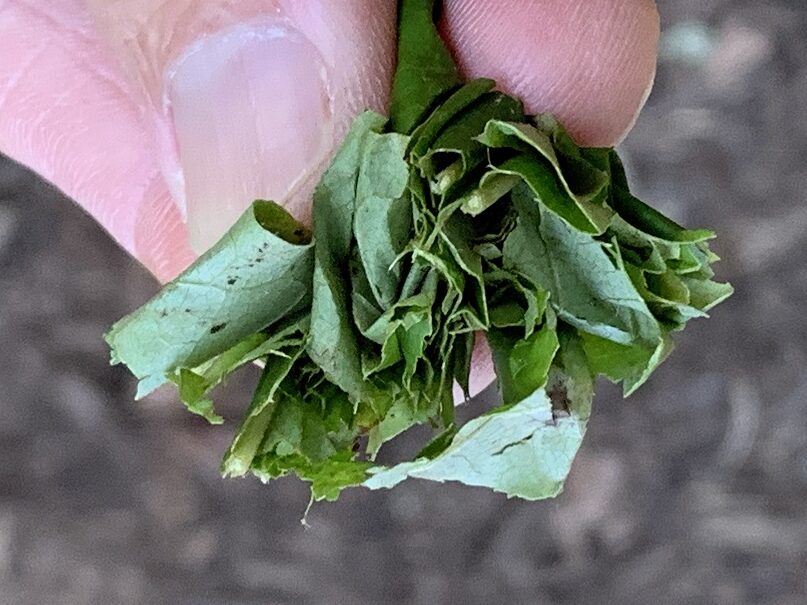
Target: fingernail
[{"x": 252, "y": 118}]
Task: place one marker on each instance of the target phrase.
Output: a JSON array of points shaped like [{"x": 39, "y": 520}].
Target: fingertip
[
  {"x": 249, "y": 99},
  {"x": 160, "y": 235},
  {"x": 589, "y": 62}
]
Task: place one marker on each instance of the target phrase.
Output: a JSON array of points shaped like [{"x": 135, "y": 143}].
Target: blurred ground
[{"x": 693, "y": 491}]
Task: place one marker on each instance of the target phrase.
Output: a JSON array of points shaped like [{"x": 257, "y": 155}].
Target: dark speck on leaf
[
  {"x": 217, "y": 329},
  {"x": 232, "y": 281},
  {"x": 187, "y": 310},
  {"x": 163, "y": 313},
  {"x": 560, "y": 401}
]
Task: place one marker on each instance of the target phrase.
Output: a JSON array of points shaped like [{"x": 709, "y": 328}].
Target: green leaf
[
  {"x": 195, "y": 384},
  {"x": 447, "y": 142},
  {"x": 631, "y": 364},
  {"x": 466, "y": 220},
  {"x": 242, "y": 451},
  {"x": 586, "y": 288},
  {"x": 192, "y": 391},
  {"x": 493, "y": 187},
  {"x": 333, "y": 345},
  {"x": 674, "y": 314},
  {"x": 406, "y": 411},
  {"x": 383, "y": 216},
  {"x": 522, "y": 365},
  {"x": 425, "y": 71},
  {"x": 328, "y": 478},
  {"x": 650, "y": 221},
  {"x": 424, "y": 136},
  {"x": 584, "y": 185},
  {"x": 644, "y": 218},
  {"x": 690, "y": 260},
  {"x": 258, "y": 274},
  {"x": 457, "y": 237},
  {"x": 522, "y": 450},
  {"x": 507, "y": 311},
  {"x": 306, "y": 433},
  {"x": 705, "y": 295}
]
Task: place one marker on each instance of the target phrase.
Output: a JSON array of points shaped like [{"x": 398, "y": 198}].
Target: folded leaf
[
  {"x": 586, "y": 289},
  {"x": 460, "y": 219},
  {"x": 523, "y": 450},
  {"x": 332, "y": 344},
  {"x": 255, "y": 276}
]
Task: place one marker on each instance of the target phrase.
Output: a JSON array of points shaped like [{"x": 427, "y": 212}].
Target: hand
[{"x": 165, "y": 119}]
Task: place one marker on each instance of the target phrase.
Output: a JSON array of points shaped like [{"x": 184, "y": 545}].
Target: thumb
[
  {"x": 589, "y": 62},
  {"x": 248, "y": 99}
]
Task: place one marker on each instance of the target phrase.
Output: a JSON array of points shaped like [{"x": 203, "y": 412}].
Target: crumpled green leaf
[
  {"x": 383, "y": 215},
  {"x": 333, "y": 344},
  {"x": 459, "y": 219},
  {"x": 585, "y": 287},
  {"x": 278, "y": 364},
  {"x": 524, "y": 449},
  {"x": 256, "y": 275},
  {"x": 587, "y": 212}
]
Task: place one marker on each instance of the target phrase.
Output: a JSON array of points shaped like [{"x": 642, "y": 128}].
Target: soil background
[{"x": 692, "y": 491}]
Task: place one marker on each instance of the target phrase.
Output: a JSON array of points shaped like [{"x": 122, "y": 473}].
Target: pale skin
[{"x": 163, "y": 119}]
